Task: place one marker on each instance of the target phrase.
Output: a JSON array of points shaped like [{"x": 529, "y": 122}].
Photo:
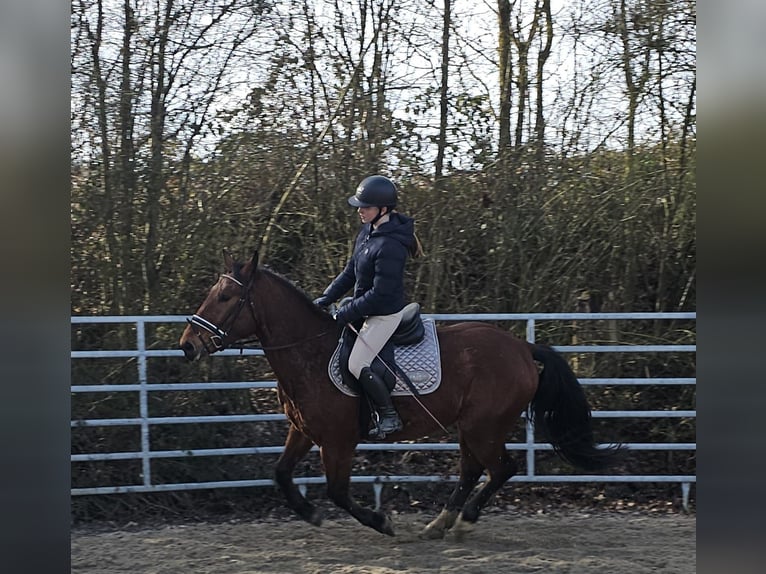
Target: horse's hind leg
[
  {"x": 337, "y": 466},
  {"x": 491, "y": 452},
  {"x": 296, "y": 447},
  {"x": 470, "y": 473}
]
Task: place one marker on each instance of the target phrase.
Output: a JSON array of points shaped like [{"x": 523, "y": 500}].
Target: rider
[{"x": 376, "y": 271}]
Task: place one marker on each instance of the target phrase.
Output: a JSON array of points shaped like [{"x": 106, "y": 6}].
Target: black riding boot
[{"x": 375, "y": 388}]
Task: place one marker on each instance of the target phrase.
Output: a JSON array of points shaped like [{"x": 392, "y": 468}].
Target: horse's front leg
[
  {"x": 296, "y": 447},
  {"x": 337, "y": 465}
]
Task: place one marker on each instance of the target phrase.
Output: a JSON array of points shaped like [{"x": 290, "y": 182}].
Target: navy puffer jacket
[{"x": 375, "y": 270}]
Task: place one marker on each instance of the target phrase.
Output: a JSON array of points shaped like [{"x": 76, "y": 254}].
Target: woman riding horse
[{"x": 376, "y": 272}]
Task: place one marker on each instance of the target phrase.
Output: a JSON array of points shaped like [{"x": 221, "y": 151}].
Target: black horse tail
[{"x": 561, "y": 411}]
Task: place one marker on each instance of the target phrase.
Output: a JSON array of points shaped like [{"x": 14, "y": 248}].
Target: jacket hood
[{"x": 399, "y": 227}]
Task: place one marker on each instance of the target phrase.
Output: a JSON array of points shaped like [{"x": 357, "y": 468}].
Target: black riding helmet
[{"x": 374, "y": 191}]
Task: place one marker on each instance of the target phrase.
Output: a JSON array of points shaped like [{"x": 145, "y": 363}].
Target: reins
[
  {"x": 241, "y": 345},
  {"x": 296, "y": 343}
]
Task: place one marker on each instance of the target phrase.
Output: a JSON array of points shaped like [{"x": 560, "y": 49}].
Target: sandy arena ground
[{"x": 502, "y": 542}]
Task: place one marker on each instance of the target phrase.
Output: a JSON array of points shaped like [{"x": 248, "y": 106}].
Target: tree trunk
[
  {"x": 156, "y": 176},
  {"x": 443, "y": 99},
  {"x": 505, "y": 73},
  {"x": 542, "y": 58},
  {"x": 436, "y": 259},
  {"x": 635, "y": 82},
  {"x": 108, "y": 214},
  {"x": 522, "y": 92},
  {"x": 129, "y": 265}
]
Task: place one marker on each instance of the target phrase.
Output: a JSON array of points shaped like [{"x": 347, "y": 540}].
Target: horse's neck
[
  {"x": 292, "y": 334},
  {"x": 282, "y": 316}
]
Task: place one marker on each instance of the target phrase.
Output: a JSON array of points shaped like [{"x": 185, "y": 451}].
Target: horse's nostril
[{"x": 188, "y": 348}]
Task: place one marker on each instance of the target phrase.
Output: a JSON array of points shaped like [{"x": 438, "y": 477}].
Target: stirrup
[{"x": 378, "y": 432}]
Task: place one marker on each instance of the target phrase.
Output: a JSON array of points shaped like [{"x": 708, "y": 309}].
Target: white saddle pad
[{"x": 420, "y": 362}]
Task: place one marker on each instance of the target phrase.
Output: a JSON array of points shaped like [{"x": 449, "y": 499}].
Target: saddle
[
  {"x": 412, "y": 352},
  {"x": 410, "y": 330}
]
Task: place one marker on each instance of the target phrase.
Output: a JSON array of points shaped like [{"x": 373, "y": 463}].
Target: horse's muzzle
[{"x": 190, "y": 351}]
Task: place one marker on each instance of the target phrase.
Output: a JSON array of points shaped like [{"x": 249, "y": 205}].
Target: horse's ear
[
  {"x": 228, "y": 261},
  {"x": 254, "y": 263}
]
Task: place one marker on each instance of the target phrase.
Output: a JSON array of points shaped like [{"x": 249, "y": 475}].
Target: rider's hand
[
  {"x": 341, "y": 314},
  {"x": 322, "y": 301}
]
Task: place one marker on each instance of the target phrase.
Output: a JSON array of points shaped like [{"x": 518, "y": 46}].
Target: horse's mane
[{"x": 284, "y": 281}]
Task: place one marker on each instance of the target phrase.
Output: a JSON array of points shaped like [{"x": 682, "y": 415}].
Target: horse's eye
[{"x": 223, "y": 297}]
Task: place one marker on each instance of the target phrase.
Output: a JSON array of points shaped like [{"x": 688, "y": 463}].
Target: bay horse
[{"x": 489, "y": 377}]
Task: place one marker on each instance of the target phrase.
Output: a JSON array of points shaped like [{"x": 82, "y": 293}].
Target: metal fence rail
[{"x": 146, "y": 455}]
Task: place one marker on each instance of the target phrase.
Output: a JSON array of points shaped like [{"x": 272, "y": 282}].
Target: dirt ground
[{"x": 502, "y": 542}]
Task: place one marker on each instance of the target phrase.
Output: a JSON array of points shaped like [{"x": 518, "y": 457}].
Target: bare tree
[
  {"x": 195, "y": 125},
  {"x": 443, "y": 94},
  {"x": 543, "y": 11},
  {"x": 157, "y": 72},
  {"x": 505, "y": 77},
  {"x": 635, "y": 66}
]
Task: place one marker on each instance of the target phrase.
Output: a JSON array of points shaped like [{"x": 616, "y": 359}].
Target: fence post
[
  {"x": 529, "y": 424},
  {"x": 143, "y": 401}
]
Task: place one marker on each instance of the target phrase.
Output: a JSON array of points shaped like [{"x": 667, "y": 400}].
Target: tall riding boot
[{"x": 375, "y": 388}]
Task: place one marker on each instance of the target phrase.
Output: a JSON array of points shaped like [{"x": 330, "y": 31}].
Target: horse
[{"x": 489, "y": 378}]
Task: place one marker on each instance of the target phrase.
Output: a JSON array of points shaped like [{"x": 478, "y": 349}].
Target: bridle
[{"x": 218, "y": 334}]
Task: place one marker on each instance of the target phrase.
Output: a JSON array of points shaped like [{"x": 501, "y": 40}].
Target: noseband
[{"x": 217, "y": 334}]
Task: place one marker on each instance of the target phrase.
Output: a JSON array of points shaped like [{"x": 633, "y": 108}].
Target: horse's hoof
[
  {"x": 460, "y": 530},
  {"x": 430, "y": 533},
  {"x": 439, "y": 525},
  {"x": 386, "y": 527},
  {"x": 315, "y": 518}
]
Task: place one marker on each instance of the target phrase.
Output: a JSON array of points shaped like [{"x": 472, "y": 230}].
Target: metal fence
[{"x": 142, "y": 354}]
